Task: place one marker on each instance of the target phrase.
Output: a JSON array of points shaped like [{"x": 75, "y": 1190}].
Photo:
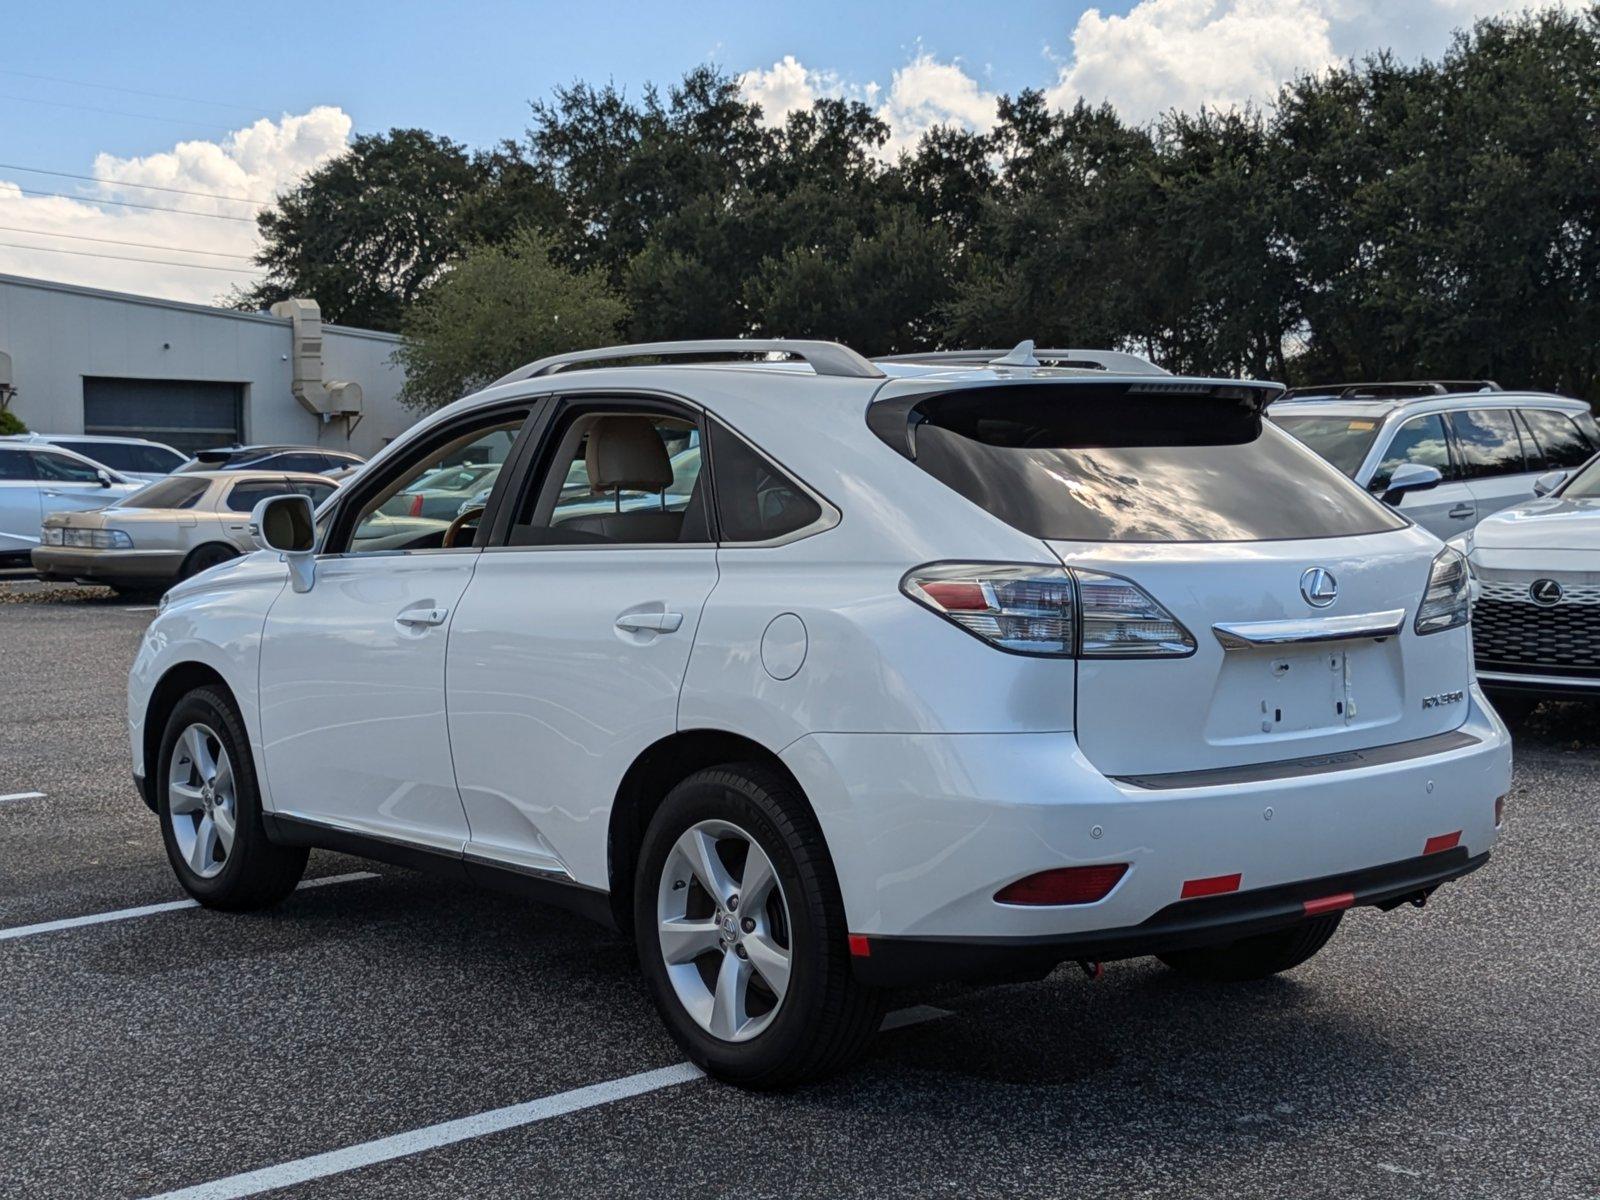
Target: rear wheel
[
  {"x": 742, "y": 936},
  {"x": 1256, "y": 957},
  {"x": 203, "y": 558},
  {"x": 210, "y": 809}
]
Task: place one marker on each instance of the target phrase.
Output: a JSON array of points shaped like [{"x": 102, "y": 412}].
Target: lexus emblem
[
  {"x": 1546, "y": 591},
  {"x": 1319, "y": 587}
]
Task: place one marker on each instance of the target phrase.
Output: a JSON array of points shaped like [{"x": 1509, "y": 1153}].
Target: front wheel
[
  {"x": 741, "y": 932},
  {"x": 1256, "y": 957}
]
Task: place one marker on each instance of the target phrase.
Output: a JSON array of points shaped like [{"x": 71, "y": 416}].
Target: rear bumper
[
  {"x": 1212, "y": 920},
  {"x": 108, "y": 566}
]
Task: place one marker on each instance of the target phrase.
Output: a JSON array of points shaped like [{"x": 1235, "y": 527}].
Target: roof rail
[
  {"x": 826, "y": 358},
  {"x": 1024, "y": 354},
  {"x": 1395, "y": 390}
]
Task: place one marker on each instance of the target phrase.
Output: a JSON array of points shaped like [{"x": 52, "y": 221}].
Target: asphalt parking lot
[{"x": 375, "y": 1024}]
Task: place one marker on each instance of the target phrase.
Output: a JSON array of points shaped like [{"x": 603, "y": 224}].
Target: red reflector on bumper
[
  {"x": 1216, "y": 885},
  {"x": 859, "y": 946},
  {"x": 1064, "y": 885},
  {"x": 1327, "y": 904},
  {"x": 1445, "y": 841}
]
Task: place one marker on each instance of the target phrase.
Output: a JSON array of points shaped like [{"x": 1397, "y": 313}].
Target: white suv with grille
[{"x": 825, "y": 676}]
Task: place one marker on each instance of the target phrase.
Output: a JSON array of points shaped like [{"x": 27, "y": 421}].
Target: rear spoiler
[{"x": 894, "y": 420}]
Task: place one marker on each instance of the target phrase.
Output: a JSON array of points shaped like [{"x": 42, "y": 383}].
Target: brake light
[
  {"x": 1064, "y": 885},
  {"x": 1050, "y": 610},
  {"x": 416, "y": 506},
  {"x": 1447, "y": 601}
]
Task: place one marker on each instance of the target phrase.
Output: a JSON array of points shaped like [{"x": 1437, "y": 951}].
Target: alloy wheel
[{"x": 202, "y": 801}]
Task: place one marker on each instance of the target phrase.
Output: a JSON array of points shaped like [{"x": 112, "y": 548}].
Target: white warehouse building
[{"x": 79, "y": 360}]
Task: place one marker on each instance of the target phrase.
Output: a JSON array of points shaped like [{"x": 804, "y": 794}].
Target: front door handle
[
  {"x": 415, "y": 617},
  {"x": 1462, "y": 511},
  {"x": 650, "y": 622}
]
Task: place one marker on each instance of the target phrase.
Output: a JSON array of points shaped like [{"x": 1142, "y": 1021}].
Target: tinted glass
[
  {"x": 128, "y": 456},
  {"x": 756, "y": 502},
  {"x": 243, "y": 497},
  {"x": 317, "y": 491},
  {"x": 299, "y": 462},
  {"x": 1421, "y": 440},
  {"x": 61, "y": 469},
  {"x": 1559, "y": 439},
  {"x": 1487, "y": 441},
  {"x": 14, "y": 464},
  {"x": 617, "y": 478},
  {"x": 1343, "y": 441},
  {"x": 177, "y": 491},
  {"x": 1085, "y": 463},
  {"x": 1585, "y": 484}
]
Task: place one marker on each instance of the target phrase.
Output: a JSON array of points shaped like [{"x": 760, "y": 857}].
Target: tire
[
  {"x": 249, "y": 872},
  {"x": 824, "y": 1019},
  {"x": 1514, "y": 707},
  {"x": 1256, "y": 957},
  {"x": 203, "y": 558}
]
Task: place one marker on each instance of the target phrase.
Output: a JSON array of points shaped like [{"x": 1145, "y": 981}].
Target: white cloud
[{"x": 254, "y": 162}]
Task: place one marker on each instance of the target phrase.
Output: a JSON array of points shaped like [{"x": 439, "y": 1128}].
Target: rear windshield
[
  {"x": 1343, "y": 441},
  {"x": 176, "y": 491},
  {"x": 1084, "y": 463}
]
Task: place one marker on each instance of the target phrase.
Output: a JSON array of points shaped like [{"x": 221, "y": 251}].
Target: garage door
[{"x": 185, "y": 413}]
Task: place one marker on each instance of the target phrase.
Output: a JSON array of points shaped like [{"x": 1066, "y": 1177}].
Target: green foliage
[
  {"x": 1378, "y": 220},
  {"x": 11, "y": 423},
  {"x": 498, "y": 308}
]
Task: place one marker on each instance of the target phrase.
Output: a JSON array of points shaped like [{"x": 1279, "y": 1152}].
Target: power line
[
  {"x": 119, "y": 112},
  {"x": 147, "y": 186},
  {"x": 111, "y": 87},
  {"x": 84, "y": 237},
  {"x": 182, "y": 212},
  {"x": 154, "y": 262}
]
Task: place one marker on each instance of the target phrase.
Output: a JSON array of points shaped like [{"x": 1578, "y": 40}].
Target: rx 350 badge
[{"x": 1442, "y": 699}]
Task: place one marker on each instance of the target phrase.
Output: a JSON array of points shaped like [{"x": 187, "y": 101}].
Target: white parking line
[
  {"x": 126, "y": 914},
  {"x": 431, "y": 1137},
  {"x": 22, "y": 796}
]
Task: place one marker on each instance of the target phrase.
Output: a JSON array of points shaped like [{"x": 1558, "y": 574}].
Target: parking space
[{"x": 338, "y": 1045}]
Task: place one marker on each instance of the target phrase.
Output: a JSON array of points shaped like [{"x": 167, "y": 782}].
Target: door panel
[
  {"x": 565, "y": 664},
  {"x": 352, "y": 696},
  {"x": 1444, "y": 511}
]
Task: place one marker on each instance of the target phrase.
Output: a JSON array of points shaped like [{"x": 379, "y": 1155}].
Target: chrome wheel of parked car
[
  {"x": 723, "y": 924},
  {"x": 202, "y": 800}
]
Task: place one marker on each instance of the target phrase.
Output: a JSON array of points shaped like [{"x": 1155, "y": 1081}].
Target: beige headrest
[{"x": 626, "y": 453}]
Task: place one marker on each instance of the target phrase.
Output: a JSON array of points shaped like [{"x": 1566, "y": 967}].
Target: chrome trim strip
[
  {"x": 1243, "y": 635},
  {"x": 1300, "y": 768},
  {"x": 1576, "y": 682}
]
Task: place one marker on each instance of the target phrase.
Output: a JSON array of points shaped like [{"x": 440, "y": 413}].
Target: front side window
[
  {"x": 1343, "y": 441},
  {"x": 58, "y": 468},
  {"x": 129, "y": 456},
  {"x": 1421, "y": 440},
  {"x": 618, "y": 479},
  {"x": 176, "y": 491},
  {"x": 1099, "y": 463},
  {"x": 1487, "y": 438},
  {"x": 1559, "y": 438},
  {"x": 407, "y": 512},
  {"x": 243, "y": 497}
]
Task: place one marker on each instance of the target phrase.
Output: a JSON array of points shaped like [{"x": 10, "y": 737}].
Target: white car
[
  {"x": 948, "y": 669},
  {"x": 1536, "y": 616},
  {"x": 37, "y": 480},
  {"x": 137, "y": 459}
]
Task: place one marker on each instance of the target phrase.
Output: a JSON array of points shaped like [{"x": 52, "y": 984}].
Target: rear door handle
[
  {"x": 422, "y": 616},
  {"x": 1462, "y": 511},
  {"x": 650, "y": 622}
]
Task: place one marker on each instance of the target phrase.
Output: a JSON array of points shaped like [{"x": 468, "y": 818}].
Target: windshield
[
  {"x": 1099, "y": 464},
  {"x": 1585, "y": 484},
  {"x": 1343, "y": 441},
  {"x": 176, "y": 491}
]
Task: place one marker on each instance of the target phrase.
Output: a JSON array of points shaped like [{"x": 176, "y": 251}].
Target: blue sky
[{"x": 237, "y": 100}]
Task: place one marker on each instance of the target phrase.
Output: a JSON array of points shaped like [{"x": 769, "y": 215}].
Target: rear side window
[
  {"x": 1559, "y": 438},
  {"x": 1487, "y": 439},
  {"x": 14, "y": 464},
  {"x": 1421, "y": 440},
  {"x": 756, "y": 502},
  {"x": 128, "y": 456},
  {"x": 1087, "y": 463},
  {"x": 245, "y": 496}
]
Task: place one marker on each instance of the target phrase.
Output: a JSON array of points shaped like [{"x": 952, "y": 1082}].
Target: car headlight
[{"x": 49, "y": 537}]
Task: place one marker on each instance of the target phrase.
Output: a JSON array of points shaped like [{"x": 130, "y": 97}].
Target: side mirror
[
  {"x": 1549, "y": 482},
  {"x": 287, "y": 526},
  {"x": 1411, "y": 477},
  {"x": 104, "y": 476}
]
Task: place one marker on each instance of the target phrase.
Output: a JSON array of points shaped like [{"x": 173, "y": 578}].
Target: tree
[
  {"x": 10, "y": 423},
  {"x": 498, "y": 308}
]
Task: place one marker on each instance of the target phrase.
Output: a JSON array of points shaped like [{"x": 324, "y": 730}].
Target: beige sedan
[{"x": 175, "y": 528}]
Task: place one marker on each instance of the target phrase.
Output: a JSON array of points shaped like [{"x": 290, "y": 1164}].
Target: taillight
[
  {"x": 1050, "y": 610},
  {"x": 416, "y": 506},
  {"x": 1064, "y": 885},
  {"x": 1447, "y": 602}
]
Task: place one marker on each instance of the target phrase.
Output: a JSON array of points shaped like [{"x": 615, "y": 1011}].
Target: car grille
[{"x": 1511, "y": 633}]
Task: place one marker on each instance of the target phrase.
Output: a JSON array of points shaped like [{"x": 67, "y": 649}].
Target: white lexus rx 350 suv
[{"x": 825, "y": 676}]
